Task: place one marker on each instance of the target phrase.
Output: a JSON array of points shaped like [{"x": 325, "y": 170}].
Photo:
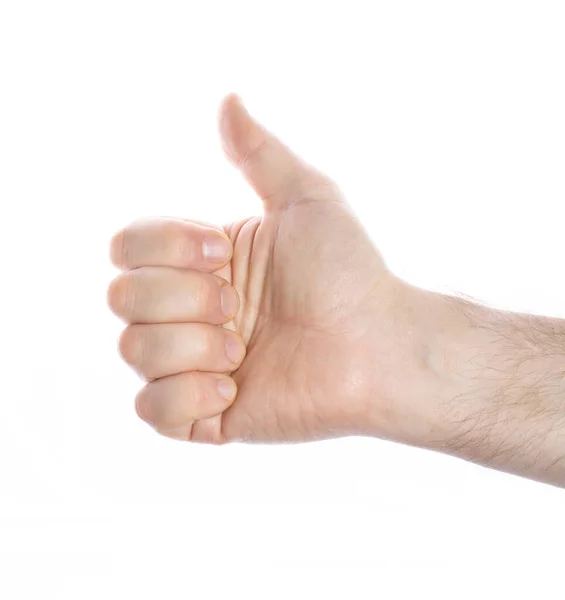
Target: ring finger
[{"x": 167, "y": 349}]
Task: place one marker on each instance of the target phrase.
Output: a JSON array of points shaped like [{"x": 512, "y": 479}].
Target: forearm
[{"x": 493, "y": 386}]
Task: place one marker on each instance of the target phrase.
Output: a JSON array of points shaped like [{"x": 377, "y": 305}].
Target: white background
[{"x": 444, "y": 124}]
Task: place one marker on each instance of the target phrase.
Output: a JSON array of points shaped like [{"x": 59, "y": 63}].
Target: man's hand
[
  {"x": 302, "y": 287},
  {"x": 289, "y": 327}
]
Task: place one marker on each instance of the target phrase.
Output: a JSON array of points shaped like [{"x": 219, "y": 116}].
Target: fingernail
[
  {"x": 216, "y": 249},
  {"x": 234, "y": 350},
  {"x": 228, "y": 301},
  {"x": 227, "y": 388}
]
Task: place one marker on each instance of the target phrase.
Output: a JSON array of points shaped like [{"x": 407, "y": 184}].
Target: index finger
[{"x": 170, "y": 242}]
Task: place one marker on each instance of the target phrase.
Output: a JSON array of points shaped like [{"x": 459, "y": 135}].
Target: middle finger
[{"x": 168, "y": 295}]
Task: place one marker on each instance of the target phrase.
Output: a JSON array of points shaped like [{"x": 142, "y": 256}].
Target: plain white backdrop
[{"x": 444, "y": 124}]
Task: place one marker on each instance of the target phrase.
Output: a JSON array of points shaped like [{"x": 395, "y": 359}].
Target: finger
[
  {"x": 167, "y": 349},
  {"x": 277, "y": 174},
  {"x": 177, "y": 401},
  {"x": 166, "y": 295},
  {"x": 171, "y": 243}
]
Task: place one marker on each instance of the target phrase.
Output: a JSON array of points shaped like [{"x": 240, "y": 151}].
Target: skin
[{"x": 313, "y": 337}]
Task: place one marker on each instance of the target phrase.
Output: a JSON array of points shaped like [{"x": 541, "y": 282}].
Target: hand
[
  {"x": 336, "y": 344},
  {"x": 327, "y": 327}
]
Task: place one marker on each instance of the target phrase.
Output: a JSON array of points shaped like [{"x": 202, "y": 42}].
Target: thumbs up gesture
[{"x": 280, "y": 327}]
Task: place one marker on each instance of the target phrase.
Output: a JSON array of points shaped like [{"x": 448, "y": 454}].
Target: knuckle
[
  {"x": 206, "y": 343},
  {"x": 197, "y": 396},
  {"x": 317, "y": 186},
  {"x": 130, "y": 346},
  {"x": 119, "y": 251},
  {"x": 121, "y": 296},
  {"x": 253, "y": 152},
  {"x": 143, "y": 405},
  {"x": 202, "y": 292},
  {"x": 115, "y": 295},
  {"x": 182, "y": 246},
  {"x": 116, "y": 248}
]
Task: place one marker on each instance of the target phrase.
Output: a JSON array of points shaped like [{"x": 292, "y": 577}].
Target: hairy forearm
[{"x": 495, "y": 386}]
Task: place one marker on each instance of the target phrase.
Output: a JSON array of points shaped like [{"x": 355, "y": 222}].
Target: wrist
[
  {"x": 404, "y": 399},
  {"x": 493, "y": 385}
]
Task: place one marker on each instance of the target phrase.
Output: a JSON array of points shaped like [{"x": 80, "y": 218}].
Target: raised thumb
[{"x": 271, "y": 168}]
